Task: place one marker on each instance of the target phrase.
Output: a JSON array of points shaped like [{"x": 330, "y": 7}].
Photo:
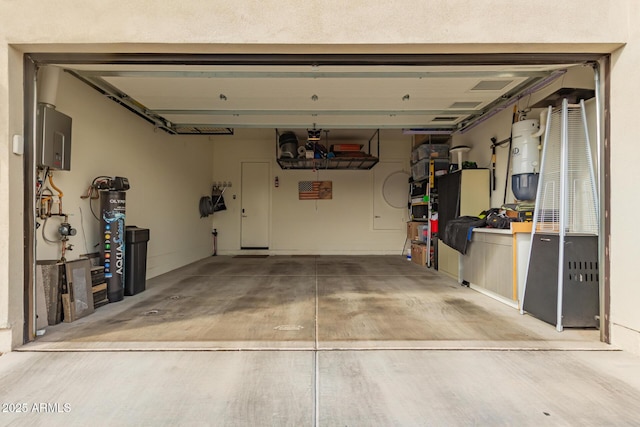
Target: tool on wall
[
  {"x": 493, "y": 164},
  {"x": 495, "y": 144},
  {"x": 214, "y": 203}
]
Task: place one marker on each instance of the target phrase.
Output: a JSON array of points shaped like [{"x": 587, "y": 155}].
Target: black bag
[
  {"x": 218, "y": 204},
  {"x": 495, "y": 219}
]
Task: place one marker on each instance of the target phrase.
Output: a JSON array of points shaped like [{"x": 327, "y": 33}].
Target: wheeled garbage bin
[{"x": 135, "y": 270}]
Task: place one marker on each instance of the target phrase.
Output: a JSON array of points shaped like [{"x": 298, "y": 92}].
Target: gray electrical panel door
[{"x": 53, "y": 143}]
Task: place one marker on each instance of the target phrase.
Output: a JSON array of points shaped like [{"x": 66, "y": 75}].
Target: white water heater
[{"x": 525, "y": 158}]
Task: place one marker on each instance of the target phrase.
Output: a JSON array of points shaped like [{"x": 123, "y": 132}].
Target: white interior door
[
  {"x": 391, "y": 195},
  {"x": 254, "y": 233}
]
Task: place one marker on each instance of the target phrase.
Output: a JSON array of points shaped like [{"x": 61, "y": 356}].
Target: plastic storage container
[
  {"x": 428, "y": 151},
  {"x": 420, "y": 170},
  {"x": 423, "y": 233},
  {"x": 135, "y": 269},
  {"x": 415, "y": 156}
]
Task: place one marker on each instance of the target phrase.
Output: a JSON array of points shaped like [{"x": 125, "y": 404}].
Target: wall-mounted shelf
[
  {"x": 359, "y": 161},
  {"x": 362, "y": 163}
]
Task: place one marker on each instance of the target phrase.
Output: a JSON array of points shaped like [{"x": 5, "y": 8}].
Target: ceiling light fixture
[
  {"x": 314, "y": 97},
  {"x": 406, "y": 97},
  {"x": 223, "y": 96}
]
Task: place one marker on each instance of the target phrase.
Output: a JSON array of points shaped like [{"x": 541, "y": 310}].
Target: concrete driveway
[{"x": 304, "y": 341}]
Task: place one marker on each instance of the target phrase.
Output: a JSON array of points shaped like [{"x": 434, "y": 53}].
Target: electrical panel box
[{"x": 53, "y": 139}]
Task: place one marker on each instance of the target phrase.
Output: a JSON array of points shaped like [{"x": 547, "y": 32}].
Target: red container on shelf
[{"x": 434, "y": 225}]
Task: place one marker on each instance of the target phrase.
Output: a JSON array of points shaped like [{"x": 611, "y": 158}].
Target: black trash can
[{"x": 135, "y": 254}]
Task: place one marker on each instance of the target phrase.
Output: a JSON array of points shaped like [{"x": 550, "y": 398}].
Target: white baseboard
[{"x": 495, "y": 296}]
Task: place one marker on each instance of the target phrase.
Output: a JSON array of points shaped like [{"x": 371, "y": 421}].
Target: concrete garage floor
[{"x": 306, "y": 341}]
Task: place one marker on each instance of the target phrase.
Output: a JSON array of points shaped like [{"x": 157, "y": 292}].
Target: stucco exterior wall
[
  {"x": 625, "y": 176},
  {"x": 325, "y": 22}
]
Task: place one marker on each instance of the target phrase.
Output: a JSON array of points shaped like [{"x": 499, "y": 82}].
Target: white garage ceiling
[{"x": 218, "y": 98}]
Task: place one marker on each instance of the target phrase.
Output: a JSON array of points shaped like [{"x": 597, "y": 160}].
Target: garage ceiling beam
[
  {"x": 314, "y": 74},
  {"x": 316, "y": 59},
  {"x": 320, "y": 125},
  {"x": 317, "y": 112}
]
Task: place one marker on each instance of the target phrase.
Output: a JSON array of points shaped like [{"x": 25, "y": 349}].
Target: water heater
[
  {"x": 525, "y": 157},
  {"x": 53, "y": 138}
]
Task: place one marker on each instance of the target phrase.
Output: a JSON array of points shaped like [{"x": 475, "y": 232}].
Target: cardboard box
[
  {"x": 412, "y": 230},
  {"x": 419, "y": 253}
]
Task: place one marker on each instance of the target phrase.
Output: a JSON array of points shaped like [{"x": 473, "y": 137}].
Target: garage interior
[
  {"x": 176, "y": 127},
  {"x": 316, "y": 278}
]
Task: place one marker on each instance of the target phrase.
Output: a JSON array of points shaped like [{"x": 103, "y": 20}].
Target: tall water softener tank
[
  {"x": 112, "y": 207},
  {"x": 525, "y": 159}
]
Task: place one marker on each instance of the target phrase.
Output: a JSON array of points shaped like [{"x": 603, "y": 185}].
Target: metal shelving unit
[{"x": 344, "y": 163}]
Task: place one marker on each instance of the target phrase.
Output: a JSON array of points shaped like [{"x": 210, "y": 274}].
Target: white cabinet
[{"x": 496, "y": 260}]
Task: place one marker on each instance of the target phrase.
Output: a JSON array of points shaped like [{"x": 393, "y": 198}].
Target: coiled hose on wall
[{"x": 205, "y": 206}]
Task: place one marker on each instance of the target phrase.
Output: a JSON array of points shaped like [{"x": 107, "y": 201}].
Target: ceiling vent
[
  {"x": 492, "y": 85},
  {"x": 202, "y": 130},
  {"x": 461, "y": 105},
  {"x": 445, "y": 119}
]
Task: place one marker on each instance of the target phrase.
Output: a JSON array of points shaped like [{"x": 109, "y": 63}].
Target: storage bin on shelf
[
  {"x": 420, "y": 170},
  {"x": 420, "y": 211},
  {"x": 430, "y": 151},
  {"x": 423, "y": 233},
  {"x": 414, "y": 156}
]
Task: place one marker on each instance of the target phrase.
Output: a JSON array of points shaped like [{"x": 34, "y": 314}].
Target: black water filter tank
[
  {"x": 112, "y": 220},
  {"x": 135, "y": 259}
]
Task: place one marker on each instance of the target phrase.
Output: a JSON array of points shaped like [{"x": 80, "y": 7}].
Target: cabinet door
[
  {"x": 499, "y": 264},
  {"x": 474, "y": 192}
]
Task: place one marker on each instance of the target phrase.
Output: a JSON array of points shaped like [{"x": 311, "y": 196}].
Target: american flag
[
  {"x": 314, "y": 190},
  {"x": 308, "y": 190}
]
